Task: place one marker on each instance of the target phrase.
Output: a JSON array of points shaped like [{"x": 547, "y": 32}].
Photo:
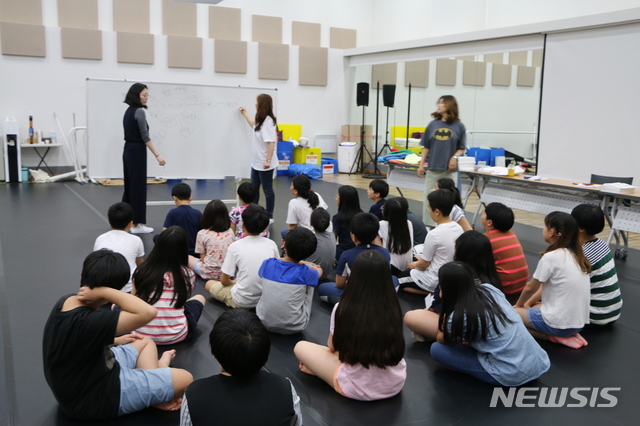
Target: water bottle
[{"x": 54, "y": 138}]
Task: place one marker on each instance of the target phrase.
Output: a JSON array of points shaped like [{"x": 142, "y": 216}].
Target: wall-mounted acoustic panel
[
  {"x": 266, "y": 29},
  {"x": 184, "y": 52},
  {"x": 131, "y": 16},
  {"x": 518, "y": 58},
  {"x": 179, "y": 19},
  {"x": 342, "y": 38},
  {"x": 474, "y": 73},
  {"x": 22, "y": 39},
  {"x": 537, "y": 57},
  {"x": 416, "y": 73},
  {"x": 81, "y": 14},
  {"x": 135, "y": 48},
  {"x": 81, "y": 44},
  {"x": 230, "y": 56},
  {"x": 384, "y": 73},
  {"x": 526, "y": 76},
  {"x": 224, "y": 23},
  {"x": 501, "y": 75},
  {"x": 305, "y": 34},
  {"x": 446, "y": 70},
  {"x": 494, "y": 58},
  {"x": 313, "y": 66},
  {"x": 21, "y": 11},
  {"x": 273, "y": 61}
]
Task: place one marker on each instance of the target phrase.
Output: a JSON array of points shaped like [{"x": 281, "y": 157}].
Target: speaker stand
[
  {"x": 376, "y": 173},
  {"x": 359, "y": 161},
  {"x": 386, "y": 138}
]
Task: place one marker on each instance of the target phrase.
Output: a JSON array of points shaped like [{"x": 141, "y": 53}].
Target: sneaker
[
  {"x": 271, "y": 221},
  {"x": 418, "y": 337},
  {"x": 141, "y": 229}
]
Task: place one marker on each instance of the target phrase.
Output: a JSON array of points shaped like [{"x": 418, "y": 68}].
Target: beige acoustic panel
[
  {"x": 526, "y": 76},
  {"x": 474, "y": 73},
  {"x": 537, "y": 57},
  {"x": 135, "y": 48},
  {"x": 501, "y": 75},
  {"x": 416, "y": 73},
  {"x": 266, "y": 29},
  {"x": 179, "y": 19},
  {"x": 305, "y": 34},
  {"x": 342, "y": 38},
  {"x": 230, "y": 56},
  {"x": 518, "y": 58},
  {"x": 224, "y": 23},
  {"x": 273, "y": 61},
  {"x": 22, "y": 39},
  {"x": 21, "y": 11},
  {"x": 446, "y": 70},
  {"x": 384, "y": 73},
  {"x": 81, "y": 14},
  {"x": 81, "y": 44},
  {"x": 494, "y": 58},
  {"x": 313, "y": 66},
  {"x": 184, "y": 52},
  {"x": 466, "y": 58},
  {"x": 131, "y": 16}
]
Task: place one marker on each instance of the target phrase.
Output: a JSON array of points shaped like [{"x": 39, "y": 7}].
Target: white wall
[
  {"x": 401, "y": 20},
  {"x": 43, "y": 86}
]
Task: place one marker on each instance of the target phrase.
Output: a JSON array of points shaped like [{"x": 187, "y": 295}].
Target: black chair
[{"x": 600, "y": 179}]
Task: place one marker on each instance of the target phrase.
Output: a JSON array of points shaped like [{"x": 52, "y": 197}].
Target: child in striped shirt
[
  {"x": 165, "y": 281},
  {"x": 511, "y": 264},
  {"x": 606, "y": 301}
]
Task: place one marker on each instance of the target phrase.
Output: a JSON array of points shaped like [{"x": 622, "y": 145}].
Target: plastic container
[
  {"x": 25, "y": 174},
  {"x": 284, "y": 150},
  {"x": 329, "y": 161}
]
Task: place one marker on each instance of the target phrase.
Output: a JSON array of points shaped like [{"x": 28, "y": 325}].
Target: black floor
[{"x": 47, "y": 230}]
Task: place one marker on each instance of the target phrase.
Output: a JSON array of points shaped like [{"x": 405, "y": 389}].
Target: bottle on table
[
  {"x": 511, "y": 170},
  {"x": 31, "y": 132}
]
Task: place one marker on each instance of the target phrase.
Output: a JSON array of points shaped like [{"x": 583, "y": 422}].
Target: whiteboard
[{"x": 197, "y": 129}]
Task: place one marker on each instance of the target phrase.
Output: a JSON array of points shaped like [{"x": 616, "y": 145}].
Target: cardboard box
[{"x": 351, "y": 132}]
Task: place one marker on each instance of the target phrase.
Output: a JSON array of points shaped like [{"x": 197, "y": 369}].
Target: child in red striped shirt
[
  {"x": 165, "y": 281},
  {"x": 511, "y": 264}
]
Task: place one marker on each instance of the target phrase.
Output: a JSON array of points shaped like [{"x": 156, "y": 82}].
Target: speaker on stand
[
  {"x": 362, "y": 99},
  {"x": 388, "y": 97},
  {"x": 376, "y": 173}
]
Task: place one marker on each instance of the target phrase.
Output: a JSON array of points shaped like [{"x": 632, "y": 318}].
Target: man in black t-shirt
[
  {"x": 243, "y": 394},
  {"x": 94, "y": 374}
]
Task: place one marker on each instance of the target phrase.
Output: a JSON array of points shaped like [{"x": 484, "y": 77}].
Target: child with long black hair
[
  {"x": 165, "y": 281},
  {"x": 212, "y": 241},
  {"x": 478, "y": 332},
  {"x": 363, "y": 358},
  {"x": 348, "y": 206},
  {"x": 396, "y": 234},
  {"x": 457, "y": 212},
  {"x": 561, "y": 283},
  {"x": 300, "y": 207},
  {"x": 474, "y": 249}
]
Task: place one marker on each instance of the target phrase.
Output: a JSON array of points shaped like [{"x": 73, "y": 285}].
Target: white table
[{"x": 42, "y": 156}]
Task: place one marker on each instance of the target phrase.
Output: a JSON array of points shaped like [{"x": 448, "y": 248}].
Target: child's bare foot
[
  {"x": 304, "y": 369},
  {"x": 166, "y": 358},
  {"x": 173, "y": 405}
]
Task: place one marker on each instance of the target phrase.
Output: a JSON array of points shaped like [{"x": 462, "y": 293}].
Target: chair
[{"x": 600, "y": 179}]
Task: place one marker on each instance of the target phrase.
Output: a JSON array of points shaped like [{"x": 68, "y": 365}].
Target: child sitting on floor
[
  {"x": 348, "y": 206},
  {"x": 377, "y": 192},
  {"x": 183, "y": 215},
  {"x": 212, "y": 241},
  {"x": 304, "y": 203},
  {"x": 364, "y": 358},
  {"x": 243, "y": 393},
  {"x": 288, "y": 283},
  {"x": 606, "y": 302},
  {"x": 119, "y": 240},
  {"x": 561, "y": 283},
  {"x": 247, "y": 192},
  {"x": 478, "y": 332},
  {"x": 243, "y": 261},
  {"x": 92, "y": 373},
  {"x": 396, "y": 234},
  {"x": 457, "y": 212},
  {"x": 325, "y": 251},
  {"x": 511, "y": 264},
  {"x": 165, "y": 281}
]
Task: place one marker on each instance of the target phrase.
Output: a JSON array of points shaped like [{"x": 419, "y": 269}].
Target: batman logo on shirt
[{"x": 443, "y": 134}]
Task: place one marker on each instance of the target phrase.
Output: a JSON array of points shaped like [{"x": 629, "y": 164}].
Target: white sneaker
[
  {"x": 270, "y": 221},
  {"x": 141, "y": 229}
]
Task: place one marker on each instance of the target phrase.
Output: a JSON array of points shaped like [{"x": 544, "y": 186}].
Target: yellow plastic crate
[
  {"x": 307, "y": 156},
  {"x": 290, "y": 131}
]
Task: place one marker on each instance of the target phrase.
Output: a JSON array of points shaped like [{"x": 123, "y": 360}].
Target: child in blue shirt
[{"x": 184, "y": 216}]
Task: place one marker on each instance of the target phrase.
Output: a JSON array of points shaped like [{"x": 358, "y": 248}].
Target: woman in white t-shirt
[
  {"x": 560, "y": 283},
  {"x": 264, "y": 158},
  {"x": 304, "y": 203},
  {"x": 396, "y": 234}
]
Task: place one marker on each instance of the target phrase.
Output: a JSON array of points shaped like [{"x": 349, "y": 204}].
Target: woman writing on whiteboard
[
  {"x": 134, "y": 157},
  {"x": 443, "y": 141},
  {"x": 264, "y": 158}
]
